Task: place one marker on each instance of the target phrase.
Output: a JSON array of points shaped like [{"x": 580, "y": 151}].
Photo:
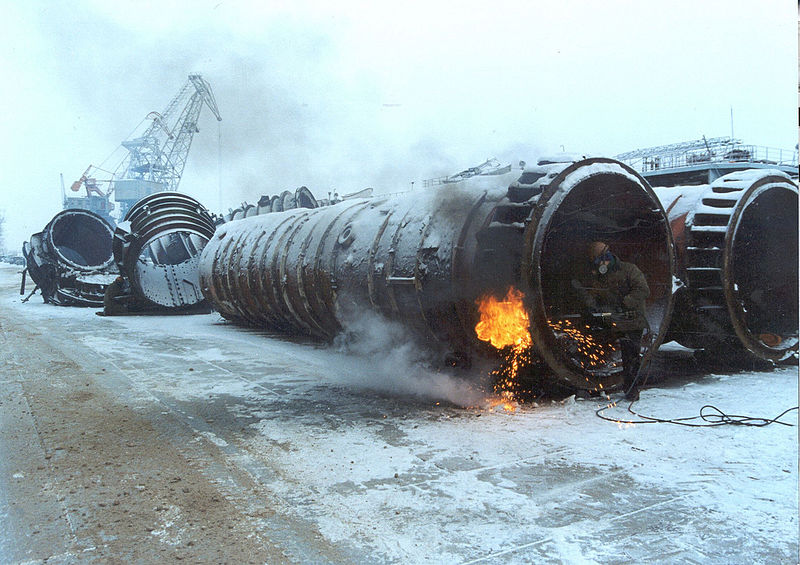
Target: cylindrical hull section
[
  {"x": 593, "y": 200},
  {"x": 71, "y": 260},
  {"x": 310, "y": 270},
  {"x": 736, "y": 243},
  {"x": 158, "y": 246},
  {"x": 424, "y": 258},
  {"x": 302, "y": 198}
]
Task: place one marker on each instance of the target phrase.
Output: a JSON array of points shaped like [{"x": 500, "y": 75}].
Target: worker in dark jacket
[
  {"x": 611, "y": 285},
  {"x": 111, "y": 305}
]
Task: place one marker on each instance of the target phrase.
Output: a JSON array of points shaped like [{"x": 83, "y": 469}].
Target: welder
[
  {"x": 609, "y": 285},
  {"x": 113, "y": 305}
]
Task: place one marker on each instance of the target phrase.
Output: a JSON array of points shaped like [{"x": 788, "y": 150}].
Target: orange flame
[{"x": 503, "y": 322}]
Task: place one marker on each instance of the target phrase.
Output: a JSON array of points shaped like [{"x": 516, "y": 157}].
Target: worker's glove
[{"x": 588, "y": 313}]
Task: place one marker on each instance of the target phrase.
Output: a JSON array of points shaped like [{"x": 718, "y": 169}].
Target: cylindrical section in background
[
  {"x": 71, "y": 260},
  {"x": 737, "y": 249}
]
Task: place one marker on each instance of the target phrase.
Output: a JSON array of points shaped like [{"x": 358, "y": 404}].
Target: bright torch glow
[{"x": 504, "y": 323}]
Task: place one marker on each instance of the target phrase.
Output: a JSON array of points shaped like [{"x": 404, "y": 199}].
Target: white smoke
[{"x": 382, "y": 355}]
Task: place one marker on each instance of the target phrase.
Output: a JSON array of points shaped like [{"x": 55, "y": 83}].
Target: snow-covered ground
[{"x": 391, "y": 462}]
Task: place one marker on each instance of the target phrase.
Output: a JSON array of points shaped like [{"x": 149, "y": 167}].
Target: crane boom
[
  {"x": 156, "y": 159},
  {"x": 176, "y": 148}
]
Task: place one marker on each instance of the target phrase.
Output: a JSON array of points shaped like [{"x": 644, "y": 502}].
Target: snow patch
[{"x": 215, "y": 439}]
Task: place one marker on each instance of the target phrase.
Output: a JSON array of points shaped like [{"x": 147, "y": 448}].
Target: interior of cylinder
[
  {"x": 615, "y": 210},
  {"x": 765, "y": 265},
  {"x": 166, "y": 272},
  {"x": 82, "y": 239},
  {"x": 172, "y": 248}
]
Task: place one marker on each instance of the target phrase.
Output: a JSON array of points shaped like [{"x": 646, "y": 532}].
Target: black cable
[
  {"x": 720, "y": 418},
  {"x": 717, "y": 418}
]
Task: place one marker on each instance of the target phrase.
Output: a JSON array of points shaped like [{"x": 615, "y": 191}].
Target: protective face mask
[{"x": 600, "y": 260}]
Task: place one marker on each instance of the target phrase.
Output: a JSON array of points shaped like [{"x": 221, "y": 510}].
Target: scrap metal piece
[
  {"x": 737, "y": 256},
  {"x": 424, "y": 258},
  {"x": 157, "y": 248},
  {"x": 70, "y": 260}
]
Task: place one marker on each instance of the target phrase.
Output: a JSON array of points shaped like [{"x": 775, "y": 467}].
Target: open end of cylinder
[
  {"x": 764, "y": 266},
  {"x": 617, "y": 210},
  {"x": 82, "y": 239},
  {"x": 172, "y": 248},
  {"x": 166, "y": 271},
  {"x": 158, "y": 248}
]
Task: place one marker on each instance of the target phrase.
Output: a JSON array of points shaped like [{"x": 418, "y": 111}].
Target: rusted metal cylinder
[
  {"x": 303, "y": 270},
  {"x": 70, "y": 260},
  {"x": 157, "y": 248},
  {"x": 424, "y": 258},
  {"x": 736, "y": 246},
  {"x": 595, "y": 199}
]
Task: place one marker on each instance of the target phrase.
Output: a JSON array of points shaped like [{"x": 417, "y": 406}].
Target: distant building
[{"x": 100, "y": 205}]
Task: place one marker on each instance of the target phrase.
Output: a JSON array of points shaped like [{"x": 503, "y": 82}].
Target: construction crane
[
  {"x": 155, "y": 159},
  {"x": 96, "y": 200}
]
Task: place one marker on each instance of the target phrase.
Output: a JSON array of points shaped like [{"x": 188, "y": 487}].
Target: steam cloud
[{"x": 382, "y": 355}]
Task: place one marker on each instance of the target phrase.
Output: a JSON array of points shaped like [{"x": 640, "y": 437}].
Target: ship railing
[{"x": 726, "y": 154}]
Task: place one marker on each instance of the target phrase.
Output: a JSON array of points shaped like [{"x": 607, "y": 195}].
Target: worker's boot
[
  {"x": 630, "y": 384},
  {"x": 632, "y": 392},
  {"x": 631, "y": 362}
]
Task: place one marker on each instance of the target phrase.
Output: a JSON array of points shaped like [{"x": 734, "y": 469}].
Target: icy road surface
[{"x": 158, "y": 438}]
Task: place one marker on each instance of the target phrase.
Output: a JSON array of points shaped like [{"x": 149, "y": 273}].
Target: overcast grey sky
[{"x": 344, "y": 95}]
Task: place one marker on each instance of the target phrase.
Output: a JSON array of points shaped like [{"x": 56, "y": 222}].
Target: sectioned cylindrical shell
[
  {"x": 70, "y": 260},
  {"x": 736, "y": 243},
  {"x": 80, "y": 239},
  {"x": 593, "y": 200},
  {"x": 424, "y": 258},
  {"x": 158, "y": 246}
]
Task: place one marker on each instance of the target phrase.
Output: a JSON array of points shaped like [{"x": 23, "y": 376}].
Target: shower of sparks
[
  {"x": 504, "y": 323},
  {"x": 590, "y": 353}
]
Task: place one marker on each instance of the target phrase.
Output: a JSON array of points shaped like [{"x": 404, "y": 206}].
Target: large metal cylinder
[
  {"x": 736, "y": 243},
  {"x": 424, "y": 258},
  {"x": 591, "y": 200},
  {"x": 70, "y": 260},
  {"x": 157, "y": 248},
  {"x": 304, "y": 270}
]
